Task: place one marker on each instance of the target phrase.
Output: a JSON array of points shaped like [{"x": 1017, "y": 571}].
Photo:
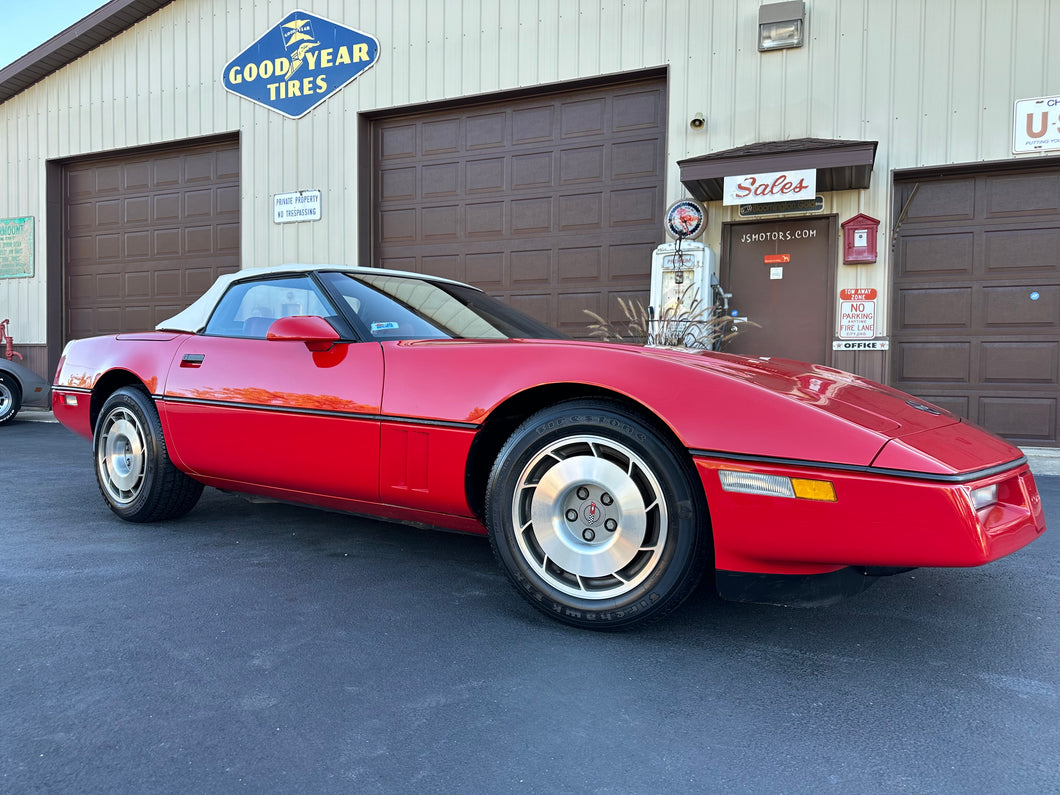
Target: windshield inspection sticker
[{"x": 389, "y": 325}]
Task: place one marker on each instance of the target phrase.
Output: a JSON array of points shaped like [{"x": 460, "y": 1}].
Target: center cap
[{"x": 591, "y": 513}]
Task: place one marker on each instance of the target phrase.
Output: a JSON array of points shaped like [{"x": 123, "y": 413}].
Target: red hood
[
  {"x": 873, "y": 406},
  {"x": 919, "y": 436}
]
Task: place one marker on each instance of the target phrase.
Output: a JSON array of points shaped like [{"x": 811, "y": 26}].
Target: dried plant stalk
[{"x": 691, "y": 323}]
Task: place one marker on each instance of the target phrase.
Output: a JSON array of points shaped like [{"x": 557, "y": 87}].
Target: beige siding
[{"x": 932, "y": 80}]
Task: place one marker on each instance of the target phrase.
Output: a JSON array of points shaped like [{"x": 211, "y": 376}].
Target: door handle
[{"x": 192, "y": 359}]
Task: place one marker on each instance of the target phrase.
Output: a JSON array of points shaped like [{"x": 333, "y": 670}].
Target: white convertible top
[{"x": 193, "y": 319}]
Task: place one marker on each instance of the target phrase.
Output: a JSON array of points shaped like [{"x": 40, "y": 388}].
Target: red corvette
[{"x": 608, "y": 477}]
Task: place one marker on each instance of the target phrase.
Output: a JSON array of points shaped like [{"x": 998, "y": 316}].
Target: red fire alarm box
[{"x": 859, "y": 238}]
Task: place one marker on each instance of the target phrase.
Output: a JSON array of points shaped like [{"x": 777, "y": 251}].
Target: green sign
[{"x": 16, "y": 247}]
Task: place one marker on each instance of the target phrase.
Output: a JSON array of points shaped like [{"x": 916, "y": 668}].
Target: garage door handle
[{"x": 192, "y": 360}]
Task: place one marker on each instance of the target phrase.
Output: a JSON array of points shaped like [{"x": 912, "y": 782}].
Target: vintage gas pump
[{"x": 682, "y": 275}]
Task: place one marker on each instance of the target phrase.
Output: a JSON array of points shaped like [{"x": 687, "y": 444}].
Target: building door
[
  {"x": 781, "y": 276},
  {"x": 977, "y": 298}
]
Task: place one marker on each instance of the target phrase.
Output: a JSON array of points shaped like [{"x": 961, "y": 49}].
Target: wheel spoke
[{"x": 590, "y": 508}]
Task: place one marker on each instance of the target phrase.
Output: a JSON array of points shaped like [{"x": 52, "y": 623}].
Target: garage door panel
[
  {"x": 580, "y": 264},
  {"x": 934, "y": 362},
  {"x": 137, "y": 210},
  {"x": 1019, "y": 362},
  {"x": 535, "y": 197},
  {"x": 397, "y": 142},
  {"x": 537, "y": 305},
  {"x": 629, "y": 262},
  {"x": 1022, "y": 196},
  {"x": 397, "y": 183},
  {"x": 108, "y": 213},
  {"x": 937, "y": 308},
  {"x": 532, "y": 171},
  {"x": 484, "y": 131},
  {"x": 636, "y": 110},
  {"x": 166, "y": 242},
  {"x": 534, "y": 125},
  {"x": 636, "y": 159},
  {"x": 138, "y": 285},
  {"x": 483, "y": 176},
  {"x": 484, "y": 219},
  {"x": 440, "y": 223},
  {"x": 126, "y": 234},
  {"x": 945, "y": 254},
  {"x": 166, "y": 283},
  {"x": 487, "y": 270},
  {"x": 636, "y": 206},
  {"x": 1014, "y": 250},
  {"x": 448, "y": 266},
  {"x": 581, "y": 164},
  {"x": 532, "y": 216},
  {"x": 397, "y": 226},
  {"x": 942, "y": 201},
  {"x": 1013, "y": 307},
  {"x": 167, "y": 207},
  {"x": 1022, "y": 419},
  {"x": 579, "y": 118}
]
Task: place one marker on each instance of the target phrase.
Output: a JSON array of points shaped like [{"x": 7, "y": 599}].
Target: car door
[{"x": 241, "y": 408}]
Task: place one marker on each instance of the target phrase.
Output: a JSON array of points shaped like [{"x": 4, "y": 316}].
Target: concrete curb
[{"x": 1043, "y": 460}]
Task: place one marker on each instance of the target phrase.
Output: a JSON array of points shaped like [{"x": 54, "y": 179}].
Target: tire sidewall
[
  {"x": 668, "y": 583},
  {"x": 14, "y": 402},
  {"x": 135, "y": 401}
]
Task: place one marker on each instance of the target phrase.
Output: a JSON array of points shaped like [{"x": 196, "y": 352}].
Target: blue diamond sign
[{"x": 299, "y": 63}]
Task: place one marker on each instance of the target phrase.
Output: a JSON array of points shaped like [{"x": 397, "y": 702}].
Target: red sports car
[{"x": 608, "y": 477}]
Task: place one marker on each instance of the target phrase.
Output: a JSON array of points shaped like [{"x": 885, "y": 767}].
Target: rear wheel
[
  {"x": 133, "y": 469},
  {"x": 10, "y": 398},
  {"x": 595, "y": 517}
]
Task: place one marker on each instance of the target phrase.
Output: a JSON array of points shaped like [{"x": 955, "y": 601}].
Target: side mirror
[{"x": 314, "y": 331}]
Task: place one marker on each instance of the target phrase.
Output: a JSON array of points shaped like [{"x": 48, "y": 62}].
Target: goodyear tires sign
[{"x": 299, "y": 63}]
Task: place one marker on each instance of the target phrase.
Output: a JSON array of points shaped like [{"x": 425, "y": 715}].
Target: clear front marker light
[
  {"x": 777, "y": 486},
  {"x": 754, "y": 483},
  {"x": 70, "y": 400},
  {"x": 983, "y": 497}
]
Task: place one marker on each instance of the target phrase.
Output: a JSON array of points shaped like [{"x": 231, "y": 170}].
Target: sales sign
[
  {"x": 771, "y": 186},
  {"x": 299, "y": 63}
]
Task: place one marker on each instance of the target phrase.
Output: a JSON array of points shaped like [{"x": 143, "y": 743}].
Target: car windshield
[{"x": 386, "y": 306}]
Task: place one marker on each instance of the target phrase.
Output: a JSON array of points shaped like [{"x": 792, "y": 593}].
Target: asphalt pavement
[{"x": 272, "y": 648}]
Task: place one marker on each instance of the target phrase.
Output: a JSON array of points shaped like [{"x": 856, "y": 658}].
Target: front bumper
[{"x": 877, "y": 519}]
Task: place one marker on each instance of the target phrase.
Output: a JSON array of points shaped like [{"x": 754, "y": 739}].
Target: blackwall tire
[
  {"x": 596, "y": 518},
  {"x": 133, "y": 470},
  {"x": 10, "y": 398}
]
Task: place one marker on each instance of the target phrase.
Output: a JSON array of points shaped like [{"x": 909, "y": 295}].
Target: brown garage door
[
  {"x": 552, "y": 203},
  {"x": 977, "y": 299},
  {"x": 146, "y": 234}
]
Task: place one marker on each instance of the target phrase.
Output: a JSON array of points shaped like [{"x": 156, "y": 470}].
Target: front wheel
[
  {"x": 135, "y": 475},
  {"x": 10, "y": 398},
  {"x": 595, "y": 517}
]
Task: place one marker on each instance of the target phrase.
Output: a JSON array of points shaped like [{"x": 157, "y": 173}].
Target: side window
[{"x": 249, "y": 308}]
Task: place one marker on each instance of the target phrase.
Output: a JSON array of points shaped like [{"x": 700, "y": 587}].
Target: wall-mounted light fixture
[{"x": 781, "y": 25}]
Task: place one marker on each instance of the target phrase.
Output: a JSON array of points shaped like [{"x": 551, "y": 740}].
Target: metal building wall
[{"x": 932, "y": 80}]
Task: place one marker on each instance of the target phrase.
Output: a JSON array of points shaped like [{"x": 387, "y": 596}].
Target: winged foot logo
[{"x": 299, "y": 63}]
